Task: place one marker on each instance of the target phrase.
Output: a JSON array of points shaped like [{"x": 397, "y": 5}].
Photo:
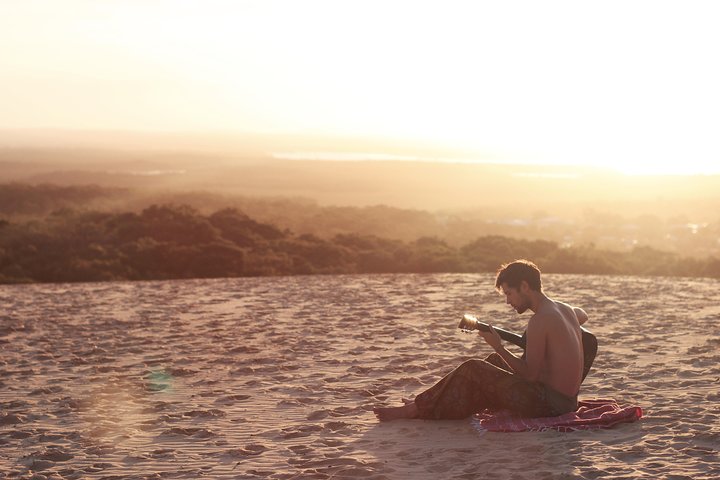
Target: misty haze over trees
[
  {"x": 91, "y": 214},
  {"x": 74, "y": 243}
]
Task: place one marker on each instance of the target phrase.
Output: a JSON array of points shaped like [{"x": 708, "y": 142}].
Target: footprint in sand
[
  {"x": 252, "y": 449},
  {"x": 12, "y": 419},
  {"x": 318, "y": 415}
]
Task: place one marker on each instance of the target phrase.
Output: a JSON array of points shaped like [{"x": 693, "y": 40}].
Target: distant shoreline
[{"x": 307, "y": 147}]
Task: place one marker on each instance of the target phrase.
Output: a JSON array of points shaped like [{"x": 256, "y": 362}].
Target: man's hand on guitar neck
[{"x": 492, "y": 338}]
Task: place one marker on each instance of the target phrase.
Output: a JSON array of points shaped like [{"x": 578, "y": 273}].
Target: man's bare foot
[{"x": 386, "y": 414}]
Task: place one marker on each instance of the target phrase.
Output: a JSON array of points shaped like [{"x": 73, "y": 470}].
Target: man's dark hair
[{"x": 514, "y": 273}]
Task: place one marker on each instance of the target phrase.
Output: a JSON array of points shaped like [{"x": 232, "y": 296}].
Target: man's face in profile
[{"x": 515, "y": 298}]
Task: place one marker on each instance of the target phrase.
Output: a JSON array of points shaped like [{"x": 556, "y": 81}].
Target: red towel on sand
[{"x": 591, "y": 414}]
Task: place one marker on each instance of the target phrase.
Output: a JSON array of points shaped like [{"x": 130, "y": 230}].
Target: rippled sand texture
[{"x": 276, "y": 377}]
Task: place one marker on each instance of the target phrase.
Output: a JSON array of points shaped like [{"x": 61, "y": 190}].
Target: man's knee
[{"x": 472, "y": 364}]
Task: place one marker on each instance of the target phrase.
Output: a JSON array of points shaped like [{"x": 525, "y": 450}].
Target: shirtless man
[{"x": 544, "y": 382}]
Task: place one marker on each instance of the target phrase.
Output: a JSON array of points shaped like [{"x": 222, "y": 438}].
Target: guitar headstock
[{"x": 468, "y": 322}]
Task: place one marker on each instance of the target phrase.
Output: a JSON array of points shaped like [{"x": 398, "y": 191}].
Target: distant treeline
[
  {"x": 169, "y": 242},
  {"x": 610, "y": 230}
]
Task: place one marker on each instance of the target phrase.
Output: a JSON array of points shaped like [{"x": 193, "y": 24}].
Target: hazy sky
[{"x": 630, "y": 84}]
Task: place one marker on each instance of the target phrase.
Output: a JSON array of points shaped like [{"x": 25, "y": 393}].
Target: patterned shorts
[{"x": 479, "y": 384}]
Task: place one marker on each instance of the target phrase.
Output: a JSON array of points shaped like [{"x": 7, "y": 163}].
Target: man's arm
[{"x": 535, "y": 351}]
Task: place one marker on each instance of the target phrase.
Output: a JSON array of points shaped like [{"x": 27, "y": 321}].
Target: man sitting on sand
[{"x": 544, "y": 383}]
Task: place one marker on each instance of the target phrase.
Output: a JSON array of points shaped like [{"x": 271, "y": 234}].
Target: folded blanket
[{"x": 591, "y": 414}]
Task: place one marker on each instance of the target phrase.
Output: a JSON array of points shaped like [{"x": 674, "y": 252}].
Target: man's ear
[{"x": 524, "y": 287}]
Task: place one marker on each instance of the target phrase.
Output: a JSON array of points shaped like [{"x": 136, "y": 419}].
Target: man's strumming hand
[{"x": 492, "y": 338}]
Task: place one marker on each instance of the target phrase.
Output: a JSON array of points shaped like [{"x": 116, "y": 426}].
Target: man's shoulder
[
  {"x": 541, "y": 320},
  {"x": 546, "y": 318}
]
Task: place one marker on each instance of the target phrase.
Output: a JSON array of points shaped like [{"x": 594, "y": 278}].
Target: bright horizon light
[{"x": 627, "y": 85}]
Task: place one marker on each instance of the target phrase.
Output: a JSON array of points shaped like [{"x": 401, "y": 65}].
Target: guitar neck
[{"x": 506, "y": 335}]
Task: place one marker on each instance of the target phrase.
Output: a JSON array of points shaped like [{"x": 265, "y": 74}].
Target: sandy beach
[{"x": 277, "y": 377}]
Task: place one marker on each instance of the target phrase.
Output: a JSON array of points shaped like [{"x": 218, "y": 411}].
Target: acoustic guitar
[{"x": 469, "y": 323}]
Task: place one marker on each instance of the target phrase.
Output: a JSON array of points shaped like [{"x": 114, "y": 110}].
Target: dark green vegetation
[
  {"x": 687, "y": 228},
  {"x": 166, "y": 242}
]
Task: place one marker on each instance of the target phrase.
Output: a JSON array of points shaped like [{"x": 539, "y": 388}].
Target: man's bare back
[{"x": 556, "y": 328}]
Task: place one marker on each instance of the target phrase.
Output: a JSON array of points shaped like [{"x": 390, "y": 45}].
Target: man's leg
[
  {"x": 470, "y": 388},
  {"x": 466, "y": 390},
  {"x": 407, "y": 411}
]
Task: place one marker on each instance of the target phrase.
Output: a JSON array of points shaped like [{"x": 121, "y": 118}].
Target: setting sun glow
[{"x": 625, "y": 85}]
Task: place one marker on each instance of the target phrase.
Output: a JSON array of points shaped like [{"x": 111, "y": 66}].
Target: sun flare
[{"x": 563, "y": 83}]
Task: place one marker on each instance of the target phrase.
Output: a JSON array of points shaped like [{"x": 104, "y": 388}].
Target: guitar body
[{"x": 590, "y": 343}]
